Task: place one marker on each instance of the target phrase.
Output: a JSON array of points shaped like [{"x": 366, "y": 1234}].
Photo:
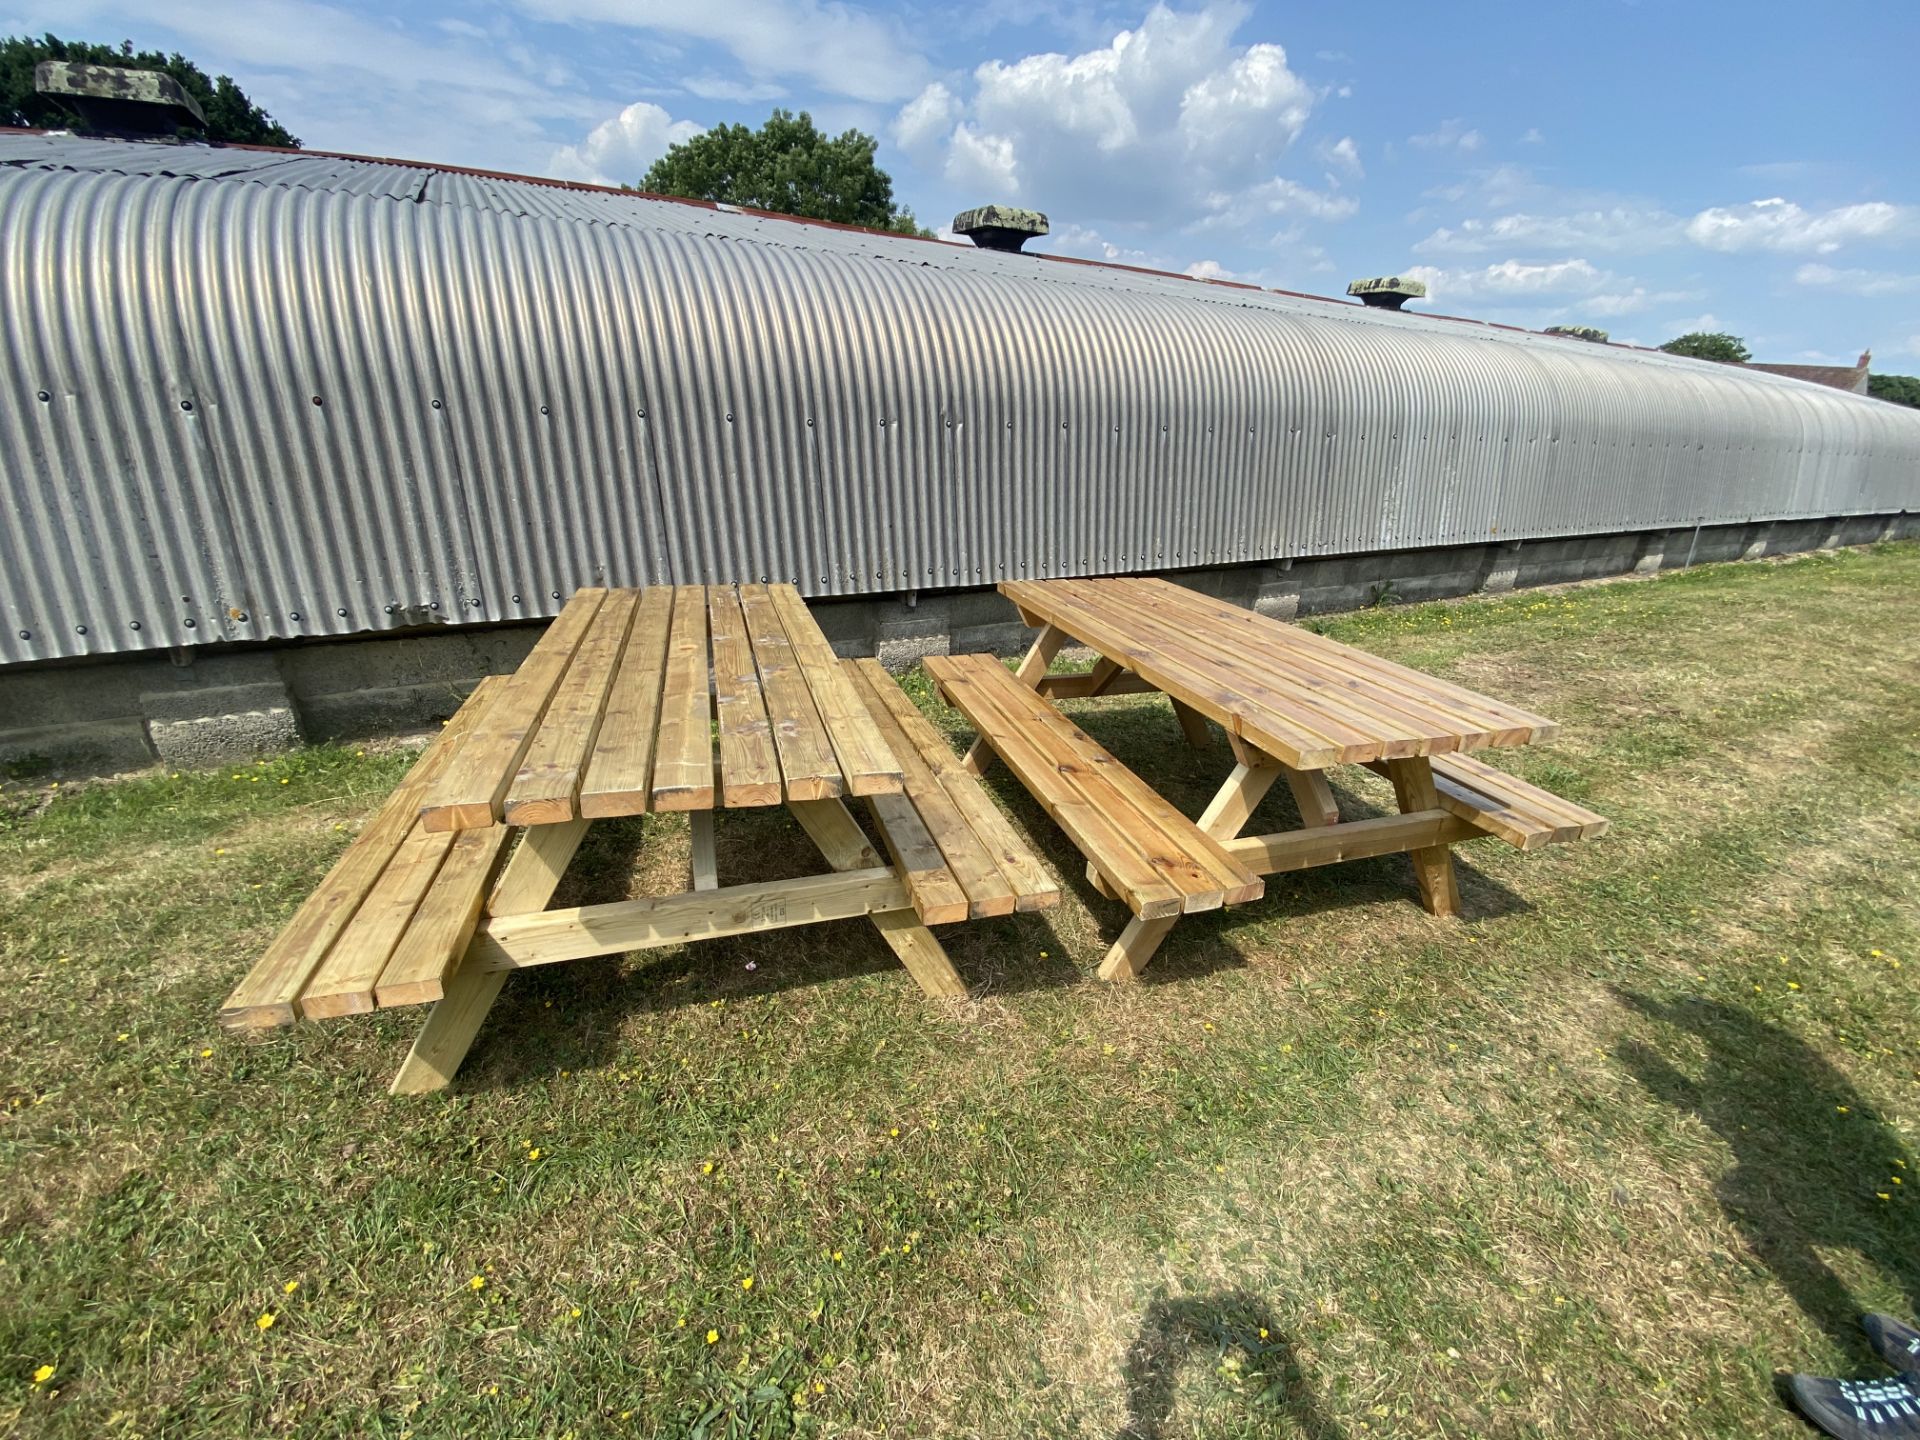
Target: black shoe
[
  {"x": 1895, "y": 1342},
  {"x": 1860, "y": 1409}
]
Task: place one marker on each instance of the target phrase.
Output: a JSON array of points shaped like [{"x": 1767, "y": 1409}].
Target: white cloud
[
  {"x": 618, "y": 151},
  {"x": 1779, "y": 224},
  {"x": 1709, "y": 322},
  {"x": 1343, "y": 155},
  {"x": 1634, "y": 300},
  {"x": 1855, "y": 282},
  {"x": 1511, "y": 279},
  {"x": 1289, "y": 197},
  {"x": 732, "y": 92},
  {"x": 1452, "y": 135},
  {"x": 984, "y": 164},
  {"x": 1533, "y": 136},
  {"x": 836, "y": 47},
  {"x": 1620, "y": 227},
  {"x": 1210, "y": 270},
  {"x": 1172, "y": 116},
  {"x": 926, "y": 121}
]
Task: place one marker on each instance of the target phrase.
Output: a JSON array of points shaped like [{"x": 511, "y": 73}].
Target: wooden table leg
[
  {"x": 1314, "y": 796},
  {"x": 1253, "y": 775},
  {"x": 706, "y": 869},
  {"x": 1192, "y": 724},
  {"x": 527, "y": 883},
  {"x": 845, "y": 844},
  {"x": 1433, "y": 867},
  {"x": 1046, "y": 645}
]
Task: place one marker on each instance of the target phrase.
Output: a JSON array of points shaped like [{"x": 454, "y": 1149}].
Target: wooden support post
[
  {"x": 845, "y": 844},
  {"x": 1192, "y": 724},
  {"x": 527, "y": 883},
  {"x": 1314, "y": 797},
  {"x": 706, "y": 869},
  {"x": 1433, "y": 866},
  {"x": 1134, "y": 948},
  {"x": 1046, "y": 645}
]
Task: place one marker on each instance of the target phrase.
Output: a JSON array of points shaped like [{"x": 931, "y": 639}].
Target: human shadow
[
  {"x": 1215, "y": 1326},
  {"x": 1812, "y": 1155}
]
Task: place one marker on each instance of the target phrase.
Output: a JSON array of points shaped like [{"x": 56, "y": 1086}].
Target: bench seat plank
[
  {"x": 268, "y": 993},
  {"x": 1157, "y": 859}
]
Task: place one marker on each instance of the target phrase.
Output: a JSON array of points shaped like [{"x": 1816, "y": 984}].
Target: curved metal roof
[{"x": 259, "y": 394}]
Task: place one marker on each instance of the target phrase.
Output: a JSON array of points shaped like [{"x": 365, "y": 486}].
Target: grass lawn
[{"x": 1598, "y": 1161}]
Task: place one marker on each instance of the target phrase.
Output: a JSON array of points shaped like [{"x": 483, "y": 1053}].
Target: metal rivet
[
  {"x": 316, "y": 399},
  {"x": 809, "y": 421},
  {"x": 293, "y": 614},
  {"x": 133, "y": 624},
  {"x": 26, "y": 634},
  {"x": 433, "y": 605},
  {"x": 45, "y": 397},
  {"x": 641, "y": 413},
  {"x": 729, "y": 417},
  {"x": 186, "y": 405},
  {"x": 436, "y": 404},
  {"x": 543, "y": 410},
  {"x": 80, "y": 629},
  {"x": 341, "y": 613},
  {"x": 556, "y": 594},
  {"x": 516, "y": 599},
  {"x": 391, "y": 609},
  {"x": 191, "y": 624}
]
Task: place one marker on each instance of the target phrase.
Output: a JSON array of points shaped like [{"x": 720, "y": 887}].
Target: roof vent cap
[
  {"x": 999, "y": 227},
  {"x": 1387, "y": 292},
  {"x": 120, "y": 101}
]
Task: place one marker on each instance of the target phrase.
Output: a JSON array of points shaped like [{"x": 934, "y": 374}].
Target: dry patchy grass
[{"x": 1597, "y": 1161}]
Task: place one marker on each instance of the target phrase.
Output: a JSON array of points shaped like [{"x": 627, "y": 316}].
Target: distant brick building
[{"x": 1841, "y": 377}]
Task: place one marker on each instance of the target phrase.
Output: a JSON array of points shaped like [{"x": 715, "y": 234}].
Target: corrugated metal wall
[{"x": 254, "y": 396}]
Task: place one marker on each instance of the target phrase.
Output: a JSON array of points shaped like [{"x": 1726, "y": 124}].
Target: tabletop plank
[
  {"x": 865, "y": 759},
  {"x": 807, "y": 762},
  {"x": 1307, "y": 700},
  {"x": 619, "y": 771},
  {"x": 683, "y": 753},
  {"x": 749, "y": 764},
  {"x": 468, "y": 795},
  {"x": 545, "y": 790}
]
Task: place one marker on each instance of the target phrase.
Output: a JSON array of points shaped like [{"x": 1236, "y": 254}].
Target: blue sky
[{"x": 1648, "y": 168}]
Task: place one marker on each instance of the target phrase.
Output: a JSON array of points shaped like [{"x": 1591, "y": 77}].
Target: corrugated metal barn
[{"x": 260, "y": 395}]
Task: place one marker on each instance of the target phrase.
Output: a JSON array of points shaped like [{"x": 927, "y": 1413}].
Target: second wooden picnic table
[{"x": 1293, "y": 704}]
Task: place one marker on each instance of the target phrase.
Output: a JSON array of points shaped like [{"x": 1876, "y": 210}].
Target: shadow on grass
[
  {"x": 1216, "y": 1328},
  {"x": 1812, "y": 1156}
]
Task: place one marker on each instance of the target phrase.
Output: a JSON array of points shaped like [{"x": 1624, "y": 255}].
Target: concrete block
[
  {"x": 1009, "y": 638},
  {"x": 169, "y": 705},
  {"x": 222, "y": 739},
  {"x": 92, "y": 747},
  {"x": 900, "y": 645}
]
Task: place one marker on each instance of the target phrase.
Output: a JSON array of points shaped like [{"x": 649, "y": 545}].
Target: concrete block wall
[{"x": 211, "y": 708}]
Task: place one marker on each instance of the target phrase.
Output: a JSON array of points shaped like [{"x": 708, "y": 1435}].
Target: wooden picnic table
[
  {"x": 689, "y": 699},
  {"x": 1293, "y": 704}
]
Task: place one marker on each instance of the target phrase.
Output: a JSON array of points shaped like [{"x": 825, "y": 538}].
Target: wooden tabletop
[
  {"x": 1308, "y": 701},
  {"x": 613, "y": 713}
]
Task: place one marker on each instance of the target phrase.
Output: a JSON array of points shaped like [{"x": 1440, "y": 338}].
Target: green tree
[
  {"x": 789, "y": 166},
  {"x": 231, "y": 115},
  {"x": 1578, "y": 332},
  {"x": 1710, "y": 345},
  {"x": 1900, "y": 389}
]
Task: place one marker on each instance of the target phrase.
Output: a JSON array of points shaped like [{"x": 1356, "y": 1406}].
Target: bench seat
[
  {"x": 392, "y": 919},
  {"x": 1507, "y": 807},
  {"x": 1152, "y": 856},
  {"x": 958, "y": 854}
]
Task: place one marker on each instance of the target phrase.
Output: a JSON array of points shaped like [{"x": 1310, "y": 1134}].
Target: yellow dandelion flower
[
  {"x": 265, "y": 1322},
  {"x": 122, "y": 1036},
  {"x": 207, "y": 1054},
  {"x": 713, "y": 1337},
  {"x": 290, "y": 1287},
  {"x": 219, "y": 852},
  {"x": 477, "y": 1283},
  {"x": 1843, "y": 1109},
  {"x": 1793, "y": 984},
  {"x": 836, "y": 1257},
  {"x": 906, "y": 1247},
  {"x": 574, "y": 1314},
  {"x": 1263, "y": 1332},
  {"x": 1883, "y": 1194},
  {"x": 1874, "y": 953},
  {"x": 533, "y": 1153},
  {"x": 747, "y": 1284},
  {"x": 43, "y": 1374},
  {"x": 895, "y": 1131},
  {"x": 707, "y": 1169}
]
